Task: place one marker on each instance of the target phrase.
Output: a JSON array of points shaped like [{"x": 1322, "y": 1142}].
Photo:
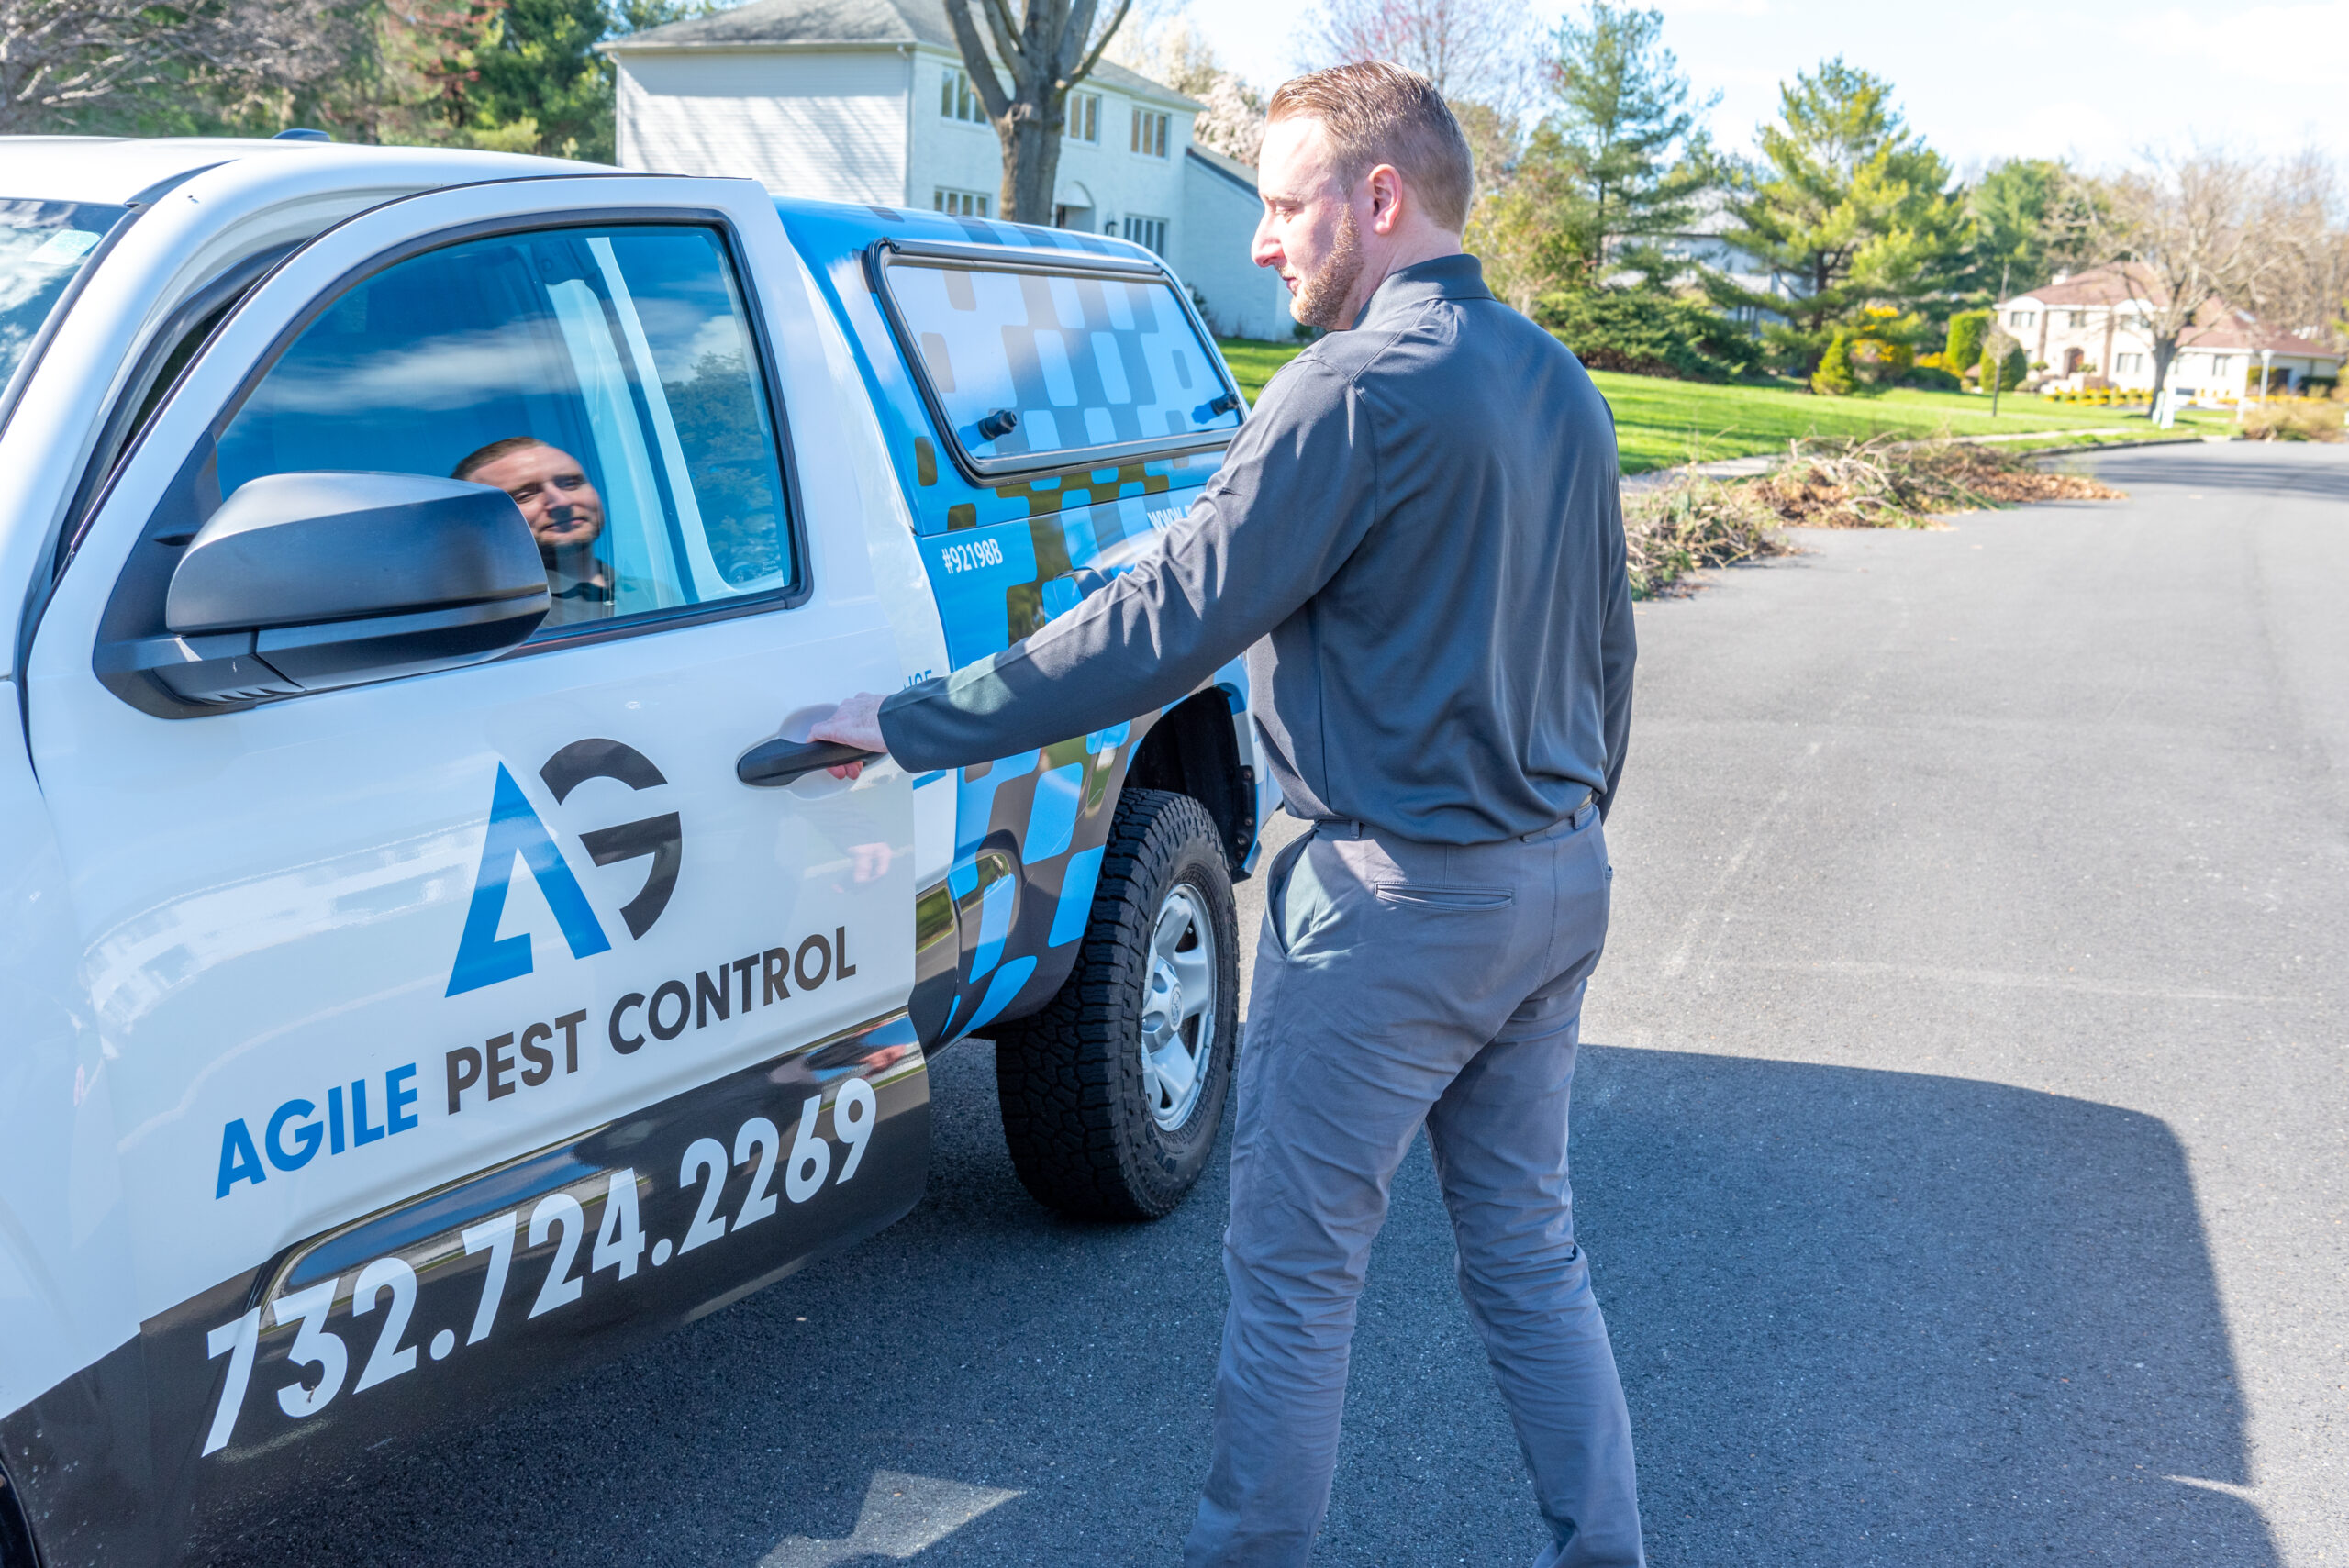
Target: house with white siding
[
  {"x": 868, "y": 101},
  {"x": 2089, "y": 329}
]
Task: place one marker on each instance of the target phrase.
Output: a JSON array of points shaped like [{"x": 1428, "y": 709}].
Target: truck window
[
  {"x": 608, "y": 378},
  {"x": 1035, "y": 370},
  {"x": 42, "y": 245}
]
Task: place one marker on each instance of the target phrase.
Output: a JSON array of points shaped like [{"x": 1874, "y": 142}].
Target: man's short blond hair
[{"x": 1379, "y": 113}]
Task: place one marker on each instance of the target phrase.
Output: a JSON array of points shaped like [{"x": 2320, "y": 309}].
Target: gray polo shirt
[{"x": 1417, "y": 539}]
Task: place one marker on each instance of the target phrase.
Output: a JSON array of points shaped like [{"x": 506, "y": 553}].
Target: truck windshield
[{"x": 42, "y": 245}]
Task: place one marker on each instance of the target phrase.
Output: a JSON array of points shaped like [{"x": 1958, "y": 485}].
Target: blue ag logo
[{"x": 517, "y": 833}]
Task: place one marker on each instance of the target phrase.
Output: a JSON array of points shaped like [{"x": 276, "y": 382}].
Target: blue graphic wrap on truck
[{"x": 1083, "y": 362}]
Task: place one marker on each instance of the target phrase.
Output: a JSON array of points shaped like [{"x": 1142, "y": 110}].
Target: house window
[
  {"x": 961, "y": 204},
  {"x": 1083, "y": 122},
  {"x": 2128, "y": 364},
  {"x": 957, "y": 102},
  {"x": 1148, "y": 232},
  {"x": 1150, "y": 132},
  {"x": 2021, "y": 318},
  {"x": 2076, "y": 319}
]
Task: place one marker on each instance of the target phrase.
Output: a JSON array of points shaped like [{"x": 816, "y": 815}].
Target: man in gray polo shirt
[{"x": 1417, "y": 539}]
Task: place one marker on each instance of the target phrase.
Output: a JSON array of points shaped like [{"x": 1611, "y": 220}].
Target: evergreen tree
[
  {"x": 1625, "y": 136},
  {"x": 537, "y": 66},
  {"x": 1834, "y": 377},
  {"x": 1523, "y": 225},
  {"x": 2030, "y": 218},
  {"x": 1847, "y": 205},
  {"x": 1619, "y": 158}
]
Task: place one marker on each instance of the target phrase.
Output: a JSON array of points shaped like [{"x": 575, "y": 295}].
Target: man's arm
[
  {"x": 1618, "y": 644},
  {"x": 1295, "y": 495}
]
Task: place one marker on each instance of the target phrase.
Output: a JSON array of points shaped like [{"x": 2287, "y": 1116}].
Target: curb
[
  {"x": 1757, "y": 463},
  {"x": 2132, "y": 446}
]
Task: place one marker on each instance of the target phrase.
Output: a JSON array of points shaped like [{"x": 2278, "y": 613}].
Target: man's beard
[{"x": 1322, "y": 293}]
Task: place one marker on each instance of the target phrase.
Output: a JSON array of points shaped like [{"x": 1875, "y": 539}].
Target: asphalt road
[{"x": 1960, "y": 1143}]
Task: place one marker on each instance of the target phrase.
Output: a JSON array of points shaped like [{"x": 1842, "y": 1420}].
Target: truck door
[{"x": 459, "y": 1020}]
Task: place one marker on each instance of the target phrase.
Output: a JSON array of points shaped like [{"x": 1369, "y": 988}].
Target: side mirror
[{"x": 307, "y": 582}]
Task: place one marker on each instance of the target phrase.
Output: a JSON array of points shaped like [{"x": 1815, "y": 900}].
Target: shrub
[
  {"x": 2294, "y": 421},
  {"x": 1882, "y": 343},
  {"x": 1967, "y": 330},
  {"x": 1647, "y": 332},
  {"x": 1932, "y": 378},
  {"x": 2012, "y": 363},
  {"x": 1834, "y": 377}
]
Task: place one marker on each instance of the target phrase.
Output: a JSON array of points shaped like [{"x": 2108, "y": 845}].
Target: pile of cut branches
[
  {"x": 1884, "y": 484},
  {"x": 1998, "y": 476},
  {"x": 1692, "y": 523}
]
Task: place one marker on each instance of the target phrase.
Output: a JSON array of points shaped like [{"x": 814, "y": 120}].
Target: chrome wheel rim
[{"x": 1178, "y": 1006}]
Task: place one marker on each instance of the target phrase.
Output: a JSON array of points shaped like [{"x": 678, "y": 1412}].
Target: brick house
[{"x": 2088, "y": 328}]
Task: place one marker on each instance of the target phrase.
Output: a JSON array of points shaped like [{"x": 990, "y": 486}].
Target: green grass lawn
[{"x": 1659, "y": 422}]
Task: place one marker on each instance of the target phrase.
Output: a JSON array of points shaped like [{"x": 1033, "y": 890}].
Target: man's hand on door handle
[{"x": 856, "y": 722}]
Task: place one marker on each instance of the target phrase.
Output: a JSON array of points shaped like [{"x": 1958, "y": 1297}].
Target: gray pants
[{"x": 1401, "y": 984}]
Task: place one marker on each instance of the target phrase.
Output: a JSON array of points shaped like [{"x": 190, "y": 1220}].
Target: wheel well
[{"x": 1193, "y": 751}]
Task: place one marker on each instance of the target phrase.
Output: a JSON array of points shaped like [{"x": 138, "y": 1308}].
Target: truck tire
[{"x": 1112, "y": 1094}]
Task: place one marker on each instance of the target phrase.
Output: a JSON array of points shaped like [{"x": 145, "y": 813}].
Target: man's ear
[{"x": 1385, "y": 199}]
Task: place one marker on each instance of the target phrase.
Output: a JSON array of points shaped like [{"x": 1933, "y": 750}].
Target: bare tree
[
  {"x": 2199, "y": 229},
  {"x": 1046, "y": 50},
  {"x": 1481, "y": 50},
  {"x": 2304, "y": 287},
  {"x": 1171, "y": 52},
  {"x": 60, "y": 58}
]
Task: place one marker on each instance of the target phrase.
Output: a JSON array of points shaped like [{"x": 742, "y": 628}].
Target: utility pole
[{"x": 1992, "y": 367}]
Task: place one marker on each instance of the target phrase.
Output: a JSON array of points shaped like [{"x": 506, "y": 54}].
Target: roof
[
  {"x": 2216, "y": 326},
  {"x": 848, "y": 24},
  {"x": 2241, "y": 330},
  {"x": 1240, "y": 174},
  {"x": 114, "y": 170},
  {"x": 2115, "y": 283}
]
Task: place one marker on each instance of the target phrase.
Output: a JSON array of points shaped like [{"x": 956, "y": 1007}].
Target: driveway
[{"x": 1962, "y": 1142}]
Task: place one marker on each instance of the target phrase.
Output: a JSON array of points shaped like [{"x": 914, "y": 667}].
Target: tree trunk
[
  {"x": 1045, "y": 52},
  {"x": 1031, "y": 159},
  {"x": 2164, "y": 351}
]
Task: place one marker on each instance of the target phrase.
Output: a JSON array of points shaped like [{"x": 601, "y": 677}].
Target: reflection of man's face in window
[{"x": 549, "y": 485}]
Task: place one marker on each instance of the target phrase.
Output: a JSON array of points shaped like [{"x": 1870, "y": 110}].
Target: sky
[{"x": 2094, "y": 81}]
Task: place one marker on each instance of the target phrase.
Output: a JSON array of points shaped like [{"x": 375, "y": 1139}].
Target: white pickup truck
[{"x": 430, "y": 955}]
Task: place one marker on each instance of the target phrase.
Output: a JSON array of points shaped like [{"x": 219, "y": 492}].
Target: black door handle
[{"x": 773, "y": 762}]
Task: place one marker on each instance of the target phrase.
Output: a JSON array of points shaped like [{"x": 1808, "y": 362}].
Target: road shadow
[
  {"x": 2282, "y": 468},
  {"x": 1870, "y": 1317},
  {"x": 1862, "y": 1317}
]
